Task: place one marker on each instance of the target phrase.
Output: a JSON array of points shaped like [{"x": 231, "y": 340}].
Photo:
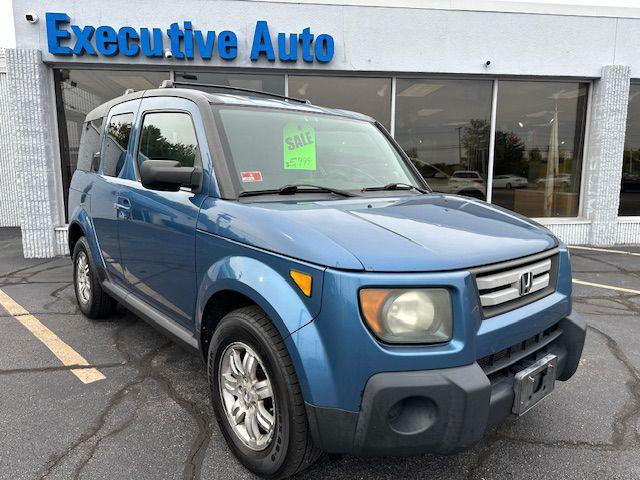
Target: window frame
[
  {"x": 496, "y": 86},
  {"x": 585, "y": 147},
  {"x": 136, "y": 167}
]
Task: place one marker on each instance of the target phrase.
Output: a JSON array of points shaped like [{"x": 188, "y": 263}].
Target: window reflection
[
  {"x": 444, "y": 127},
  {"x": 539, "y": 142},
  {"x": 259, "y": 82},
  {"x": 371, "y": 96},
  {"x": 630, "y": 187}
]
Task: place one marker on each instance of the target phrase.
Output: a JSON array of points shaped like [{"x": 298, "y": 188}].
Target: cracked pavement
[{"x": 151, "y": 417}]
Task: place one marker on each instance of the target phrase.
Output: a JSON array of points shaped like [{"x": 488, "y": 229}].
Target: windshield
[{"x": 270, "y": 149}]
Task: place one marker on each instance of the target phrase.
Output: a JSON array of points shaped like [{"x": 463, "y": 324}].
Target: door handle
[
  {"x": 122, "y": 204},
  {"x": 123, "y": 207}
]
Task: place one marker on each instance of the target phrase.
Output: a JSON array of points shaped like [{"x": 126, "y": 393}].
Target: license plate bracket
[{"x": 534, "y": 383}]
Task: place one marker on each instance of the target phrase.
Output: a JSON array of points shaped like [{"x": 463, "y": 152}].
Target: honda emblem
[{"x": 526, "y": 282}]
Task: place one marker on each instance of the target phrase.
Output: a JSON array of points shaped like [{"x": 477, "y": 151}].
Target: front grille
[
  {"x": 508, "y": 285},
  {"x": 514, "y": 356}
]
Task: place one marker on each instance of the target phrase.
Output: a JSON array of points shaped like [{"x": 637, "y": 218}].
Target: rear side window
[
  {"x": 89, "y": 143},
  {"x": 168, "y": 136},
  {"x": 115, "y": 152}
]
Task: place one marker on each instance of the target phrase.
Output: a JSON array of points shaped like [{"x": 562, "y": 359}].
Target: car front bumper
[{"x": 444, "y": 410}]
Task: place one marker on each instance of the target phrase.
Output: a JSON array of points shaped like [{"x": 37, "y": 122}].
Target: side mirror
[
  {"x": 95, "y": 162},
  {"x": 169, "y": 175}
]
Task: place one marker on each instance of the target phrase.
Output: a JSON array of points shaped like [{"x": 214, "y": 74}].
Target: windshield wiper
[
  {"x": 297, "y": 188},
  {"x": 394, "y": 186}
]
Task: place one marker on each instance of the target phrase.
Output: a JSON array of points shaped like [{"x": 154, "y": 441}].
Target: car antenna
[{"x": 174, "y": 84}]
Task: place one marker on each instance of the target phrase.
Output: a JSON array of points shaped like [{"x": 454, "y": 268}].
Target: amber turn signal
[
  {"x": 371, "y": 302},
  {"x": 303, "y": 281}
]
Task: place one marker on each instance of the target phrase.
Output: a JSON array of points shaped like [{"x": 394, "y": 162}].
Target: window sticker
[
  {"x": 299, "y": 142},
  {"x": 250, "y": 177}
]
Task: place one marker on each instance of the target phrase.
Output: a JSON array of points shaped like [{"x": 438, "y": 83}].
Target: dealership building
[{"x": 532, "y": 107}]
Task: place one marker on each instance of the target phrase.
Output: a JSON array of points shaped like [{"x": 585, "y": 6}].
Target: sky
[{"x": 7, "y": 36}]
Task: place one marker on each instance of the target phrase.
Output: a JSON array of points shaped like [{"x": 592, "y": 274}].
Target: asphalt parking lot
[{"x": 150, "y": 416}]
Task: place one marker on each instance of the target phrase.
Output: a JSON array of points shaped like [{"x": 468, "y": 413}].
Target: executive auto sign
[{"x": 183, "y": 42}]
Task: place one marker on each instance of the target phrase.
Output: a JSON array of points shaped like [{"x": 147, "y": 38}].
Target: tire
[
  {"x": 288, "y": 448},
  {"x": 92, "y": 299},
  {"x": 509, "y": 186}
]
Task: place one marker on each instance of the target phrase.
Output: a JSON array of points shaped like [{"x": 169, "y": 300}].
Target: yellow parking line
[
  {"x": 605, "y": 250},
  {"x": 608, "y": 287},
  {"x": 66, "y": 354}
]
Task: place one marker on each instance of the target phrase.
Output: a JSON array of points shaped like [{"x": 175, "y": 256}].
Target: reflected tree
[
  {"x": 119, "y": 132},
  {"x": 475, "y": 141},
  {"x": 509, "y": 155},
  {"x": 157, "y": 146}
]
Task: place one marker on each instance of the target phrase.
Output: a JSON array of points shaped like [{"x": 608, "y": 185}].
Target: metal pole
[
  {"x": 393, "y": 108},
  {"x": 492, "y": 141}
]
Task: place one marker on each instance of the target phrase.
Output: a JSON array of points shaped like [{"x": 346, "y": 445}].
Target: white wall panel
[{"x": 8, "y": 182}]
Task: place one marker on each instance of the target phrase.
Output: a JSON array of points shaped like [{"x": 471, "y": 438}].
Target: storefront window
[
  {"x": 371, "y": 96},
  {"x": 443, "y": 125},
  {"x": 259, "y": 82},
  {"x": 80, "y": 91},
  {"x": 539, "y": 142},
  {"x": 630, "y": 188}
]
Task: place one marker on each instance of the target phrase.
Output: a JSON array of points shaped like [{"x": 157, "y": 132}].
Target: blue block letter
[
  {"x": 127, "y": 42},
  {"x": 175, "y": 36},
  {"x": 262, "y": 43},
  {"x": 288, "y": 54},
  {"x": 306, "y": 38},
  {"x": 188, "y": 40},
  {"x": 145, "y": 40},
  {"x": 227, "y": 45},
  {"x": 55, "y": 34},
  {"x": 83, "y": 40},
  {"x": 323, "y": 48},
  {"x": 106, "y": 41},
  {"x": 205, "y": 45}
]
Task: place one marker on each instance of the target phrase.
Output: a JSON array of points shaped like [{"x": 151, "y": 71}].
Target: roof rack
[{"x": 174, "y": 84}]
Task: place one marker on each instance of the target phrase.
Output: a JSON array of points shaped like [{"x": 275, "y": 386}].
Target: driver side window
[{"x": 168, "y": 136}]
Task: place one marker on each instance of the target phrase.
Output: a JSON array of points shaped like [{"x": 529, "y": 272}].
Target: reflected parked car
[
  {"x": 440, "y": 181},
  {"x": 469, "y": 183},
  {"x": 510, "y": 181},
  {"x": 437, "y": 179},
  {"x": 562, "y": 180}
]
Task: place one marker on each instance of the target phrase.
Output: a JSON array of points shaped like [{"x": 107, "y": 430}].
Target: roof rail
[{"x": 174, "y": 84}]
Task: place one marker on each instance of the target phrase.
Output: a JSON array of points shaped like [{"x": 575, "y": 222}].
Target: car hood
[{"x": 402, "y": 234}]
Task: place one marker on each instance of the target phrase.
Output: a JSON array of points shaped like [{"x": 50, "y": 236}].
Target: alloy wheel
[
  {"x": 247, "y": 396},
  {"x": 83, "y": 280}
]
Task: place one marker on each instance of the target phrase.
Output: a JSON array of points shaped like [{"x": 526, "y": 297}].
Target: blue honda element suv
[{"x": 339, "y": 304}]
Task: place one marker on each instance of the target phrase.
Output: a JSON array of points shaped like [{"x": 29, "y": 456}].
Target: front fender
[{"x": 262, "y": 277}]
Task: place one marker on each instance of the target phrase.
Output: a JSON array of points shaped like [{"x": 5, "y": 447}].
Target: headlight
[{"x": 408, "y": 315}]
